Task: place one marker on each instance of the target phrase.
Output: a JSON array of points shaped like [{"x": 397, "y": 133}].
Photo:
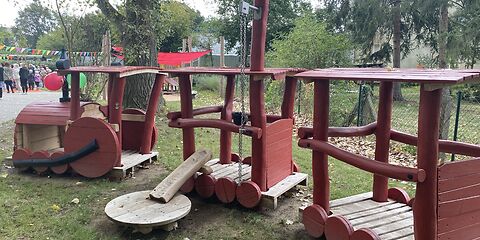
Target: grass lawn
[{"x": 39, "y": 207}]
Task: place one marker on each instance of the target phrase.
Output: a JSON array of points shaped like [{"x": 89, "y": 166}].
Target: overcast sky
[{"x": 9, "y": 11}]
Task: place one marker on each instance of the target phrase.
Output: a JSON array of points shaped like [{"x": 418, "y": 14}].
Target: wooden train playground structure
[
  {"x": 446, "y": 200},
  {"x": 94, "y": 140},
  {"x": 91, "y": 139}
]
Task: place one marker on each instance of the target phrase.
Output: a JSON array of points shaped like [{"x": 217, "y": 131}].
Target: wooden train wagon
[
  {"x": 90, "y": 138},
  {"x": 446, "y": 202}
]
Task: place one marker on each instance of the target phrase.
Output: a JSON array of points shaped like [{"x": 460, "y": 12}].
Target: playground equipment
[
  {"x": 446, "y": 203},
  {"x": 90, "y": 138},
  {"x": 269, "y": 171},
  {"x": 161, "y": 207}
]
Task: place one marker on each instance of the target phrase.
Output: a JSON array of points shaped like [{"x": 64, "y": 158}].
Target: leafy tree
[
  {"x": 53, "y": 40},
  {"x": 136, "y": 23},
  {"x": 280, "y": 20},
  {"x": 33, "y": 21},
  {"x": 6, "y": 36},
  {"x": 310, "y": 45},
  {"x": 178, "y": 21},
  {"x": 392, "y": 23}
]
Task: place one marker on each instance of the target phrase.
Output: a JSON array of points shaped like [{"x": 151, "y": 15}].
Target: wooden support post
[
  {"x": 384, "y": 125},
  {"x": 187, "y": 112},
  {"x": 222, "y": 64},
  {"x": 226, "y": 115},
  {"x": 288, "y": 103},
  {"x": 259, "y": 120},
  {"x": 321, "y": 181},
  {"x": 115, "y": 108},
  {"x": 257, "y": 98},
  {"x": 150, "y": 114},
  {"x": 425, "y": 206},
  {"x": 75, "y": 96},
  {"x": 111, "y": 77}
]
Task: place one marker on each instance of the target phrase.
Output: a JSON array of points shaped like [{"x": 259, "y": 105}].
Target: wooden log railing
[
  {"x": 445, "y": 146},
  {"x": 217, "y": 124},
  {"x": 196, "y": 112},
  {"x": 306, "y": 132},
  {"x": 380, "y": 168}
]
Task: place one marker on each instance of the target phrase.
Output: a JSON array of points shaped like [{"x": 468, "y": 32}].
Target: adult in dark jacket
[
  {"x": 24, "y": 78},
  {"x": 2, "y": 82}
]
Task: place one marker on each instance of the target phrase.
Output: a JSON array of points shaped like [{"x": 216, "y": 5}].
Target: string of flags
[{"x": 31, "y": 51}]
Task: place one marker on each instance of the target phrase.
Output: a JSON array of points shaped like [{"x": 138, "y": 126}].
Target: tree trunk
[
  {"x": 139, "y": 42},
  {"x": 397, "y": 18},
  {"x": 446, "y": 107}
]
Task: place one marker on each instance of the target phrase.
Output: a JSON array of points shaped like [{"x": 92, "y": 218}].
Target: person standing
[
  {"x": 31, "y": 77},
  {"x": 8, "y": 77},
  {"x": 16, "y": 76},
  {"x": 2, "y": 82},
  {"x": 23, "y": 73}
]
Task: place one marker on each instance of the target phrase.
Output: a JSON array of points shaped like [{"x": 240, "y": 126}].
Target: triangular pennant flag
[
  {"x": 39, "y": 52},
  {"x": 12, "y": 49},
  {"x": 34, "y": 51},
  {"x": 2, "y": 47},
  {"x": 44, "y": 52},
  {"x": 19, "y": 49},
  {"x": 48, "y": 52}
]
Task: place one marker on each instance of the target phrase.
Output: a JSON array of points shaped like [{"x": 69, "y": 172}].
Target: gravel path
[{"x": 12, "y": 104}]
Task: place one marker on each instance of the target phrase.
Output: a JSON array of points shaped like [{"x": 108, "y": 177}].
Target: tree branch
[{"x": 110, "y": 12}]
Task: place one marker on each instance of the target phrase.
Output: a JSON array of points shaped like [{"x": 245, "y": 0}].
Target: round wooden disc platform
[{"x": 137, "y": 211}]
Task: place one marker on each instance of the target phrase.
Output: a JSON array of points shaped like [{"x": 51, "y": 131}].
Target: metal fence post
[
  {"x": 359, "y": 109},
  {"x": 457, "y": 119}
]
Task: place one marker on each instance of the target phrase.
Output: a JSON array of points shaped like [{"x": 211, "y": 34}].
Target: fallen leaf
[
  {"x": 288, "y": 222},
  {"x": 55, "y": 207},
  {"x": 4, "y": 175},
  {"x": 75, "y": 201}
]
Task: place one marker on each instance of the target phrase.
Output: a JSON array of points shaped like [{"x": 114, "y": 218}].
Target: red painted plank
[
  {"x": 458, "y": 207},
  {"x": 458, "y": 169},
  {"x": 466, "y": 192},
  {"x": 468, "y": 232},
  {"x": 457, "y": 222},
  {"x": 445, "y": 185}
]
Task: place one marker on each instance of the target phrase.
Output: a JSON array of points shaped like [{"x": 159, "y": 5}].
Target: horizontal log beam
[
  {"x": 384, "y": 169},
  {"x": 305, "y": 132},
  {"x": 196, "y": 112},
  {"x": 217, "y": 124},
  {"x": 445, "y": 146}
]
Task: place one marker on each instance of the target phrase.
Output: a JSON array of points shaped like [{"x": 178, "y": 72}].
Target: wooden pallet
[
  {"x": 390, "y": 220},
  {"x": 270, "y": 197},
  {"x": 131, "y": 161}
]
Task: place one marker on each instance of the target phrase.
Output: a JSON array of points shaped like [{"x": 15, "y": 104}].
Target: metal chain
[{"x": 242, "y": 79}]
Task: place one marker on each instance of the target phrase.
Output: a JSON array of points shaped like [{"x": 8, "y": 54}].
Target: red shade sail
[{"x": 176, "y": 59}]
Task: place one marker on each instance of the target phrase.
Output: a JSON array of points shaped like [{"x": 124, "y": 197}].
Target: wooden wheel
[
  {"x": 249, "y": 194},
  {"x": 100, "y": 162},
  {"x": 21, "y": 154},
  {"x": 225, "y": 189},
  {"x": 188, "y": 186},
  {"x": 314, "y": 218},
  {"x": 59, "y": 169},
  {"x": 138, "y": 211},
  {"x": 40, "y": 155},
  {"x": 398, "y": 195},
  {"x": 338, "y": 228},
  {"x": 364, "y": 234},
  {"x": 205, "y": 185}
]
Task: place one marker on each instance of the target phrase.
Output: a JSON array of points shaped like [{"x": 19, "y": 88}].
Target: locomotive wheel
[
  {"x": 40, "y": 155},
  {"x": 21, "y": 154},
  {"x": 100, "y": 162},
  {"x": 59, "y": 169}
]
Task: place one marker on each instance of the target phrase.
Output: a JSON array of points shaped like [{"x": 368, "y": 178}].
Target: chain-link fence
[{"x": 355, "y": 104}]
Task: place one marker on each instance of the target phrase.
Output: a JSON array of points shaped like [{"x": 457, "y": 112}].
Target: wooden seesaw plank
[{"x": 173, "y": 182}]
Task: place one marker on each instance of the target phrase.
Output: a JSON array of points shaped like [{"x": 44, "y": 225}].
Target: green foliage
[
  {"x": 6, "y": 36},
  {"x": 53, "y": 40},
  {"x": 177, "y": 21},
  {"x": 207, "y": 82},
  {"x": 310, "y": 45},
  {"x": 280, "y": 19},
  {"x": 33, "y": 21}
]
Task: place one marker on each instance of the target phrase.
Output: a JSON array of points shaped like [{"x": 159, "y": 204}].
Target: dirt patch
[{"x": 172, "y": 97}]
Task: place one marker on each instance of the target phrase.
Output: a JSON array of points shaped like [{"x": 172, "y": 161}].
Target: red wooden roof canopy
[{"x": 447, "y": 76}]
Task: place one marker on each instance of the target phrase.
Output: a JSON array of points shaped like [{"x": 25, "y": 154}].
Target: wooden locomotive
[{"x": 90, "y": 138}]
